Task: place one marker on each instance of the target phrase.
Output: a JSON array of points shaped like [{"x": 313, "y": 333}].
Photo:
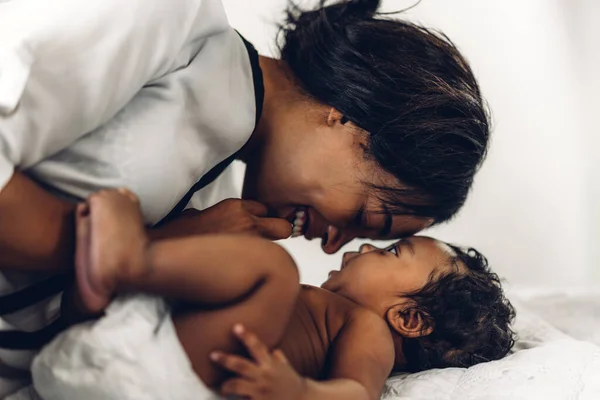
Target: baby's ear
[{"x": 408, "y": 321}]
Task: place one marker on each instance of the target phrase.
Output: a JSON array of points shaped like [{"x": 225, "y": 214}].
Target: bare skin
[
  {"x": 321, "y": 332},
  {"x": 313, "y": 318}
]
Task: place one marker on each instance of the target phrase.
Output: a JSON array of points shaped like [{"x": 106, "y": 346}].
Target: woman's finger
[
  {"x": 235, "y": 364},
  {"x": 126, "y": 192},
  {"x": 255, "y": 208},
  {"x": 238, "y": 387},
  {"x": 274, "y": 228},
  {"x": 257, "y": 349},
  {"x": 280, "y": 356}
]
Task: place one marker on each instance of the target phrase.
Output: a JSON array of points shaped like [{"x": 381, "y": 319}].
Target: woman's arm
[
  {"x": 56, "y": 86},
  {"x": 36, "y": 228}
]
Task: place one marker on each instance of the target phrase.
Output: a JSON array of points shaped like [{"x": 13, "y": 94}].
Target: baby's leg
[
  {"x": 230, "y": 279},
  {"x": 111, "y": 243},
  {"x": 265, "y": 311}
]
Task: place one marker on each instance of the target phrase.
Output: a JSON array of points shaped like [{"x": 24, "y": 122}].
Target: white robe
[{"x": 146, "y": 94}]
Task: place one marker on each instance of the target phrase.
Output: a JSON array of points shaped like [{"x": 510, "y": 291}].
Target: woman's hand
[
  {"x": 228, "y": 216},
  {"x": 268, "y": 376}
]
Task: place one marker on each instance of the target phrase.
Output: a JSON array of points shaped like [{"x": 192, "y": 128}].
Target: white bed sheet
[{"x": 574, "y": 311}]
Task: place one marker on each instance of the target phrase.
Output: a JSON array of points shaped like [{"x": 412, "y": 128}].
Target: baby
[{"x": 415, "y": 305}]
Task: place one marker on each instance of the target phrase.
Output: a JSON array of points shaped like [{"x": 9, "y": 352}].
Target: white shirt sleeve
[{"x": 68, "y": 66}]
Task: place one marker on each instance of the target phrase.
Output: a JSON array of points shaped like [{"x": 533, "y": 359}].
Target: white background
[{"x": 534, "y": 210}]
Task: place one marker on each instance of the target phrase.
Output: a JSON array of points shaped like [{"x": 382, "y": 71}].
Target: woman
[{"x": 366, "y": 127}]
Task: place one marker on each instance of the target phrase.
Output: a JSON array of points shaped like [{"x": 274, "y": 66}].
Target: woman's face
[{"x": 311, "y": 165}]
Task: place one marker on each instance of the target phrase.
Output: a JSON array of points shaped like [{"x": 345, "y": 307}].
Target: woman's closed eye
[{"x": 393, "y": 249}]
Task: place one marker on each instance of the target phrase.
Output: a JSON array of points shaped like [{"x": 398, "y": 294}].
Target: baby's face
[{"x": 378, "y": 278}]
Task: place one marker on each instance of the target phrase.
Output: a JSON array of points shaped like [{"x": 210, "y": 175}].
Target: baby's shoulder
[
  {"x": 341, "y": 313},
  {"x": 332, "y": 303},
  {"x": 357, "y": 337}
]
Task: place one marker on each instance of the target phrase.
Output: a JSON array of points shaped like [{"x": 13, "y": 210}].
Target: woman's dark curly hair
[
  {"x": 470, "y": 316},
  {"x": 407, "y": 86}
]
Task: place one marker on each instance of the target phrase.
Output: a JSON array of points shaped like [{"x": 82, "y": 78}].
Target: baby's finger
[
  {"x": 274, "y": 228},
  {"x": 253, "y": 344},
  {"x": 235, "y": 364},
  {"x": 238, "y": 387}
]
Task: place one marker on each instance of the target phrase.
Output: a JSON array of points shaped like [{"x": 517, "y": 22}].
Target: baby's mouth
[{"x": 300, "y": 222}]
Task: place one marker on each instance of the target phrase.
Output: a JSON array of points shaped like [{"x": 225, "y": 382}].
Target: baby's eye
[{"x": 393, "y": 249}]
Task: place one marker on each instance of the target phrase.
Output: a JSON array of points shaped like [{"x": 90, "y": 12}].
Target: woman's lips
[
  {"x": 305, "y": 223},
  {"x": 314, "y": 228}
]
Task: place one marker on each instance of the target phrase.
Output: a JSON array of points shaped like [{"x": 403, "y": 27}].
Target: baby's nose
[{"x": 365, "y": 248}]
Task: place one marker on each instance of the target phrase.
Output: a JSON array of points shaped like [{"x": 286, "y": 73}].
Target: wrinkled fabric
[{"x": 132, "y": 353}]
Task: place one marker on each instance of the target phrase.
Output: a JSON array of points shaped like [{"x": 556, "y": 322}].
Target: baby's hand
[{"x": 269, "y": 376}]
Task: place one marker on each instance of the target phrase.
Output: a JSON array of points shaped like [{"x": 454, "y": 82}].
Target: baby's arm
[{"x": 361, "y": 360}]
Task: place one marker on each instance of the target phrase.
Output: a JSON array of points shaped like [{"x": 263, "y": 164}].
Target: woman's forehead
[{"x": 391, "y": 225}]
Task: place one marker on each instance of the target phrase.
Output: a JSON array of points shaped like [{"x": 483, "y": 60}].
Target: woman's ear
[
  {"x": 334, "y": 117},
  {"x": 409, "y": 321}
]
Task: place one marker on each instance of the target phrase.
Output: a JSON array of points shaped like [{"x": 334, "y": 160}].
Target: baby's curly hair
[{"x": 470, "y": 316}]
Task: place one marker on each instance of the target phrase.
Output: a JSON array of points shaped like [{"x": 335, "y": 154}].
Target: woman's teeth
[{"x": 298, "y": 224}]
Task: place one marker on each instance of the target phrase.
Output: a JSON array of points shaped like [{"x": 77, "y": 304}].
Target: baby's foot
[{"x": 111, "y": 244}]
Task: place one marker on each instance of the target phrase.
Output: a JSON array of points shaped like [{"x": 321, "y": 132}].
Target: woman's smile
[{"x": 300, "y": 222}]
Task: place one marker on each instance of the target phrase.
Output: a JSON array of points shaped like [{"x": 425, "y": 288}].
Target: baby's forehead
[
  {"x": 430, "y": 245},
  {"x": 435, "y": 253}
]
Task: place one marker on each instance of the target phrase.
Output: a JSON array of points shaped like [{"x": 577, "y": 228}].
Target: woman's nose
[{"x": 334, "y": 239}]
